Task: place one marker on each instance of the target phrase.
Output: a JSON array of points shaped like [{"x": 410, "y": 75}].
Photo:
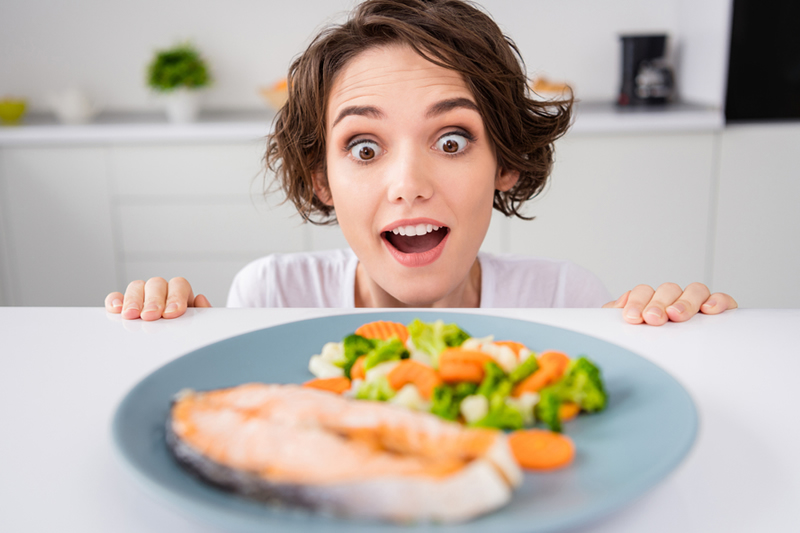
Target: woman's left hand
[{"x": 643, "y": 304}]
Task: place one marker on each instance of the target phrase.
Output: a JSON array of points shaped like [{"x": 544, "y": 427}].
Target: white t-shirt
[{"x": 327, "y": 279}]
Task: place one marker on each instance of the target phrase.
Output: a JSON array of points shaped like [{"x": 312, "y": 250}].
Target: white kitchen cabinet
[
  {"x": 80, "y": 217},
  {"x": 631, "y": 208},
  {"x": 757, "y": 250},
  {"x": 58, "y": 226}
]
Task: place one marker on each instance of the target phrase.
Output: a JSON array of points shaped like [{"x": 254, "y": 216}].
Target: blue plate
[{"x": 647, "y": 429}]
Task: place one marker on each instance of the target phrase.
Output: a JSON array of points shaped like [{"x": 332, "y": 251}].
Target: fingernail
[
  {"x": 655, "y": 312},
  {"x": 150, "y": 307},
  {"x": 134, "y": 307},
  {"x": 678, "y": 308},
  {"x": 633, "y": 313},
  {"x": 116, "y": 303},
  {"x": 709, "y": 304},
  {"x": 171, "y": 308}
]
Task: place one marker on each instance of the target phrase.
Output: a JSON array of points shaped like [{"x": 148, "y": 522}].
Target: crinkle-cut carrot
[
  {"x": 336, "y": 385},
  {"x": 514, "y": 345},
  {"x": 568, "y": 411},
  {"x": 383, "y": 330},
  {"x": 358, "y": 370},
  {"x": 409, "y": 371},
  {"x": 551, "y": 367},
  {"x": 459, "y": 364},
  {"x": 540, "y": 449}
]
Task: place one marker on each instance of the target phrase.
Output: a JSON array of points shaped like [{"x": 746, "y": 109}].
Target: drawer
[
  {"x": 208, "y": 231},
  {"x": 187, "y": 170}
]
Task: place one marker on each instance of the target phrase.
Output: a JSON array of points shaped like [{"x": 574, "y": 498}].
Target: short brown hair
[{"x": 454, "y": 34}]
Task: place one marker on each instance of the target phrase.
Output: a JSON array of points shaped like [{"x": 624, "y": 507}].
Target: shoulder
[
  {"x": 304, "y": 279},
  {"x": 522, "y": 281}
]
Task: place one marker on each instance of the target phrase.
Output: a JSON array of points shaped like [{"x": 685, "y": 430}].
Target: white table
[{"x": 63, "y": 372}]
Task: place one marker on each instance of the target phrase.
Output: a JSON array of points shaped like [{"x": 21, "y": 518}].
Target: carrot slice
[
  {"x": 515, "y": 346},
  {"x": 458, "y": 364},
  {"x": 383, "y": 330},
  {"x": 358, "y": 370},
  {"x": 464, "y": 356},
  {"x": 540, "y": 449},
  {"x": 336, "y": 385},
  {"x": 568, "y": 411},
  {"x": 457, "y": 371},
  {"x": 557, "y": 361},
  {"x": 551, "y": 367},
  {"x": 409, "y": 371}
]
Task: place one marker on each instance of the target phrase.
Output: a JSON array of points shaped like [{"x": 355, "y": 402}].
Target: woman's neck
[{"x": 466, "y": 294}]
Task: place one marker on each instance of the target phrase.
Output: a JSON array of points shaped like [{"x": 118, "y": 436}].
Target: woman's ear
[
  {"x": 321, "y": 189},
  {"x": 505, "y": 179}
]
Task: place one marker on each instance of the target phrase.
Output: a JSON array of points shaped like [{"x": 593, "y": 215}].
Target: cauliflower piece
[
  {"x": 324, "y": 369},
  {"x": 474, "y": 407},
  {"x": 409, "y": 397}
]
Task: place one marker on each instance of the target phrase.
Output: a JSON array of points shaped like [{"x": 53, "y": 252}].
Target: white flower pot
[{"x": 183, "y": 106}]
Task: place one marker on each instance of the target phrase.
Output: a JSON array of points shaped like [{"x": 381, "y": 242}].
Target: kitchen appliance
[{"x": 647, "y": 79}]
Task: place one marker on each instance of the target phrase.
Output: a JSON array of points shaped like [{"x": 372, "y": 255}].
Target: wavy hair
[{"x": 453, "y": 34}]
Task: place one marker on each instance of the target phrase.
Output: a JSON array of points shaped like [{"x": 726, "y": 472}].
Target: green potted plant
[{"x": 179, "y": 73}]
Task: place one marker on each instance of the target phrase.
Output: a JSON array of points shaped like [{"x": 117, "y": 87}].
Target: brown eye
[
  {"x": 452, "y": 143},
  {"x": 364, "y": 151}
]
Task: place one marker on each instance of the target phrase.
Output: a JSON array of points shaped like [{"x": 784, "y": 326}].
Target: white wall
[{"x": 105, "y": 45}]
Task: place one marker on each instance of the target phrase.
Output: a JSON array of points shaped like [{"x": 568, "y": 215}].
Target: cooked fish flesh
[{"x": 345, "y": 457}]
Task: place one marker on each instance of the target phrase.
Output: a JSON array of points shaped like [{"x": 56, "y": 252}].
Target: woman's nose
[{"x": 409, "y": 178}]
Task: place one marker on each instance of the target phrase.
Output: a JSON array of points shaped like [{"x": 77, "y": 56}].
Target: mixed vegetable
[{"x": 440, "y": 368}]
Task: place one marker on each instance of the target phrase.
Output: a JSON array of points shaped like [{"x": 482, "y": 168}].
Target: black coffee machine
[{"x": 646, "y": 77}]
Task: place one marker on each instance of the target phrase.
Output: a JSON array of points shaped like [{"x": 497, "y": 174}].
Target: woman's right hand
[{"x": 155, "y": 299}]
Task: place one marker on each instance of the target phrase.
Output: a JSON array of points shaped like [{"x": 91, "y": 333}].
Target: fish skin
[{"x": 408, "y": 494}]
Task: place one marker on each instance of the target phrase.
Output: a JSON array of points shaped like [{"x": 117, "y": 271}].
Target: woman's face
[{"x": 411, "y": 173}]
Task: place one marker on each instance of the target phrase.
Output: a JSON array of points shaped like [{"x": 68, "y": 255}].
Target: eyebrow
[
  {"x": 360, "y": 110},
  {"x": 444, "y": 106},
  {"x": 435, "y": 110}
]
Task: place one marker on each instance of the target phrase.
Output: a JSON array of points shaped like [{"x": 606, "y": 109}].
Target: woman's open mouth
[{"x": 416, "y": 244}]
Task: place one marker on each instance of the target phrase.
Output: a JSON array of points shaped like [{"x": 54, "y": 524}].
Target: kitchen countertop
[
  {"x": 63, "y": 372},
  {"x": 40, "y": 129}
]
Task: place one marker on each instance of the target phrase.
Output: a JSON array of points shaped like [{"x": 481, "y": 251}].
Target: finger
[
  {"x": 179, "y": 297},
  {"x": 155, "y": 296},
  {"x": 688, "y": 304},
  {"x": 201, "y": 301},
  {"x": 637, "y": 299},
  {"x": 619, "y": 302},
  {"x": 134, "y": 299},
  {"x": 114, "y": 302},
  {"x": 655, "y": 312},
  {"x": 717, "y": 303}
]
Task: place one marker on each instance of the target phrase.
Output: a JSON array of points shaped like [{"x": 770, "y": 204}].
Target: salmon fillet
[{"x": 345, "y": 457}]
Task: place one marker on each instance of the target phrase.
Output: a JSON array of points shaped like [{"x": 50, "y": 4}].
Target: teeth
[{"x": 419, "y": 229}]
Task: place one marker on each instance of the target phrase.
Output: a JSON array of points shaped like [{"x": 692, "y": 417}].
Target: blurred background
[{"x": 108, "y": 175}]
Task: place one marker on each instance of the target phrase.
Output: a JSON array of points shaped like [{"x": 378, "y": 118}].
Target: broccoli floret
[
  {"x": 453, "y": 335},
  {"x": 447, "y": 399},
  {"x": 377, "y": 390},
  {"x": 525, "y": 369},
  {"x": 583, "y": 385},
  {"x": 501, "y": 415},
  {"x": 383, "y": 351},
  {"x": 496, "y": 387},
  {"x": 354, "y": 347},
  {"x": 494, "y": 381},
  {"x": 548, "y": 407},
  {"x": 434, "y": 338}
]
